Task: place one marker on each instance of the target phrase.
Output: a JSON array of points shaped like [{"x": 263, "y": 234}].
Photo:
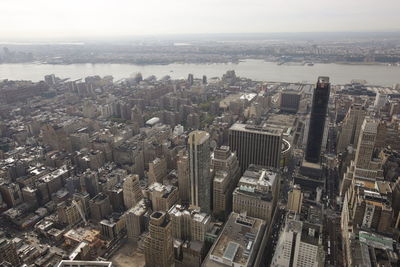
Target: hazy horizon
[
  {"x": 60, "y": 20},
  {"x": 193, "y": 37}
]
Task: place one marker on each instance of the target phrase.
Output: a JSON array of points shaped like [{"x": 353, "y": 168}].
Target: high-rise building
[
  {"x": 368, "y": 204},
  {"x": 204, "y": 80},
  {"x": 29, "y": 195},
  {"x": 365, "y": 148},
  {"x": 257, "y": 193},
  {"x": 351, "y": 127},
  {"x": 158, "y": 245},
  {"x": 290, "y": 101},
  {"x": 8, "y": 252},
  {"x": 295, "y": 199},
  {"x": 190, "y": 79},
  {"x": 396, "y": 201},
  {"x": 199, "y": 170},
  {"x": 189, "y": 253},
  {"x": 162, "y": 197},
  {"x": 157, "y": 170},
  {"x": 137, "y": 117},
  {"x": 367, "y": 248},
  {"x": 116, "y": 195},
  {"x": 183, "y": 177},
  {"x": 100, "y": 207},
  {"x": 11, "y": 194},
  {"x": 225, "y": 166},
  {"x": 366, "y": 207},
  {"x": 239, "y": 243},
  {"x": 256, "y": 145},
  {"x": 364, "y": 167},
  {"x": 189, "y": 224},
  {"x": 317, "y": 120},
  {"x": 50, "y": 79},
  {"x": 380, "y": 99},
  {"x": 388, "y": 135},
  {"x": 83, "y": 198},
  {"x": 91, "y": 182},
  {"x": 131, "y": 191},
  {"x": 135, "y": 220},
  {"x": 299, "y": 244},
  {"x": 69, "y": 213},
  {"x": 114, "y": 226}
]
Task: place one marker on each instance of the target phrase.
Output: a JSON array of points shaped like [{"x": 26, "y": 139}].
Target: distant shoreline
[
  {"x": 369, "y": 64},
  {"x": 255, "y": 69},
  {"x": 288, "y": 63}
]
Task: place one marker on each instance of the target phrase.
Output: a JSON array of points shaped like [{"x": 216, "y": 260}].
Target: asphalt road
[
  {"x": 332, "y": 239},
  {"x": 273, "y": 239}
]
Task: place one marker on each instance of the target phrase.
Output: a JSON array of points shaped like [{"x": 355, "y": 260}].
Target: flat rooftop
[
  {"x": 259, "y": 179},
  {"x": 256, "y": 129},
  {"x": 237, "y": 242},
  {"x": 82, "y": 234}
]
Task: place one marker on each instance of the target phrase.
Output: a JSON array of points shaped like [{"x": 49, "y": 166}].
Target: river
[{"x": 253, "y": 69}]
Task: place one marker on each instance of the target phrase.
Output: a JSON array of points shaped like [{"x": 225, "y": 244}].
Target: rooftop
[
  {"x": 82, "y": 234},
  {"x": 258, "y": 179},
  {"x": 237, "y": 241},
  {"x": 139, "y": 209},
  {"x": 164, "y": 189},
  {"x": 256, "y": 129},
  {"x": 195, "y": 214}
]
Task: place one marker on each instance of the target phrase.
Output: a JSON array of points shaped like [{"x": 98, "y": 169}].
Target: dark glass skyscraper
[{"x": 317, "y": 119}]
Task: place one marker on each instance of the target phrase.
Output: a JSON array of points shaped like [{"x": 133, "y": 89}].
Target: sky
[{"x": 25, "y": 19}]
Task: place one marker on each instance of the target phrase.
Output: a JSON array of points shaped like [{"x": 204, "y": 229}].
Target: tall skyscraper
[
  {"x": 364, "y": 167},
  {"x": 158, "y": 246},
  {"x": 190, "y": 79},
  {"x": 295, "y": 199},
  {"x": 226, "y": 170},
  {"x": 132, "y": 192},
  {"x": 199, "y": 168},
  {"x": 256, "y": 145},
  {"x": 317, "y": 120},
  {"x": 351, "y": 126},
  {"x": 183, "y": 176},
  {"x": 365, "y": 147}
]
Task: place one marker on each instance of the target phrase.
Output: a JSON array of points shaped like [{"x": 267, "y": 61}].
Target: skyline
[
  {"x": 199, "y": 133},
  {"x": 103, "y": 19}
]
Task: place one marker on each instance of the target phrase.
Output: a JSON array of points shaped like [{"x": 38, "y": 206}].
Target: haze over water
[{"x": 253, "y": 69}]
